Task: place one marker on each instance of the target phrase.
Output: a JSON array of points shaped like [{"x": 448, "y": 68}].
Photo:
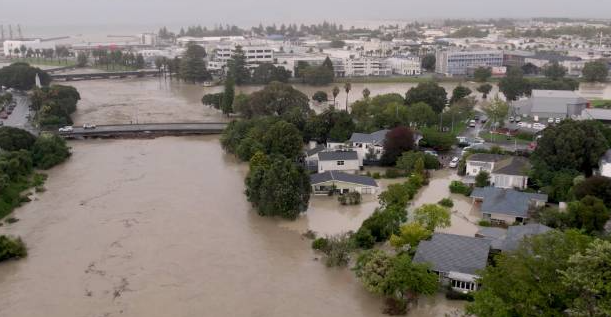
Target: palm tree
[
  {"x": 347, "y": 88},
  {"x": 335, "y": 93}
]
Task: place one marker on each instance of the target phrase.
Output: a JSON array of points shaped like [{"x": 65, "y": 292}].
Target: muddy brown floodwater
[{"x": 161, "y": 228}]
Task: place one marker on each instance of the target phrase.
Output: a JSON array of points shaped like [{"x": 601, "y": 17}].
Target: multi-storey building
[
  {"x": 458, "y": 63},
  {"x": 254, "y": 55},
  {"x": 366, "y": 67},
  {"x": 407, "y": 66}
]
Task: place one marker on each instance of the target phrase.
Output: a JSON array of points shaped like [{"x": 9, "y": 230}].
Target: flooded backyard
[{"x": 161, "y": 228}]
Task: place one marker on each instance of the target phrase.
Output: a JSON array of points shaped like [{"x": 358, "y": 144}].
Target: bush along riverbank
[{"x": 22, "y": 154}]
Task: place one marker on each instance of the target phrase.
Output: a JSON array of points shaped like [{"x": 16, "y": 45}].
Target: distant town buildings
[
  {"x": 9, "y": 46},
  {"x": 455, "y": 63}
]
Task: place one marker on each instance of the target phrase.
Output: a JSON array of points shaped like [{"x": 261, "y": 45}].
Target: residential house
[
  {"x": 340, "y": 182},
  {"x": 311, "y": 156},
  {"x": 509, "y": 240},
  {"x": 370, "y": 146},
  {"x": 545, "y": 104},
  {"x": 505, "y": 171},
  {"x": 346, "y": 161},
  {"x": 506, "y": 206},
  {"x": 457, "y": 259},
  {"x": 604, "y": 165}
]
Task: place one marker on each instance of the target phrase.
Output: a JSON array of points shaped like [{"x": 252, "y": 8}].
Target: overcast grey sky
[{"x": 248, "y": 12}]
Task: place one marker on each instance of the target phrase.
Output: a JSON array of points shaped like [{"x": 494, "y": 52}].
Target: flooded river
[{"x": 161, "y": 228}]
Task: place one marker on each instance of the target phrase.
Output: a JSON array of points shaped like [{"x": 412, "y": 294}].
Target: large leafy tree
[
  {"x": 266, "y": 73},
  {"x": 485, "y": 90},
  {"x": 430, "y": 93},
  {"x": 597, "y": 186},
  {"x": 276, "y": 99},
  {"x": 596, "y": 71},
  {"x": 22, "y": 76},
  {"x": 554, "y": 71},
  {"x": 228, "y": 95},
  {"x": 459, "y": 93},
  {"x": 432, "y": 216},
  {"x": 525, "y": 282},
  {"x": 428, "y": 62},
  {"x": 589, "y": 276},
  {"x": 410, "y": 234},
  {"x": 513, "y": 86},
  {"x": 588, "y": 214},
  {"x": 397, "y": 141},
  {"x": 482, "y": 74},
  {"x": 15, "y": 139},
  {"x": 192, "y": 65},
  {"x": 283, "y": 138},
  {"x": 420, "y": 114},
  {"x": 237, "y": 66}
]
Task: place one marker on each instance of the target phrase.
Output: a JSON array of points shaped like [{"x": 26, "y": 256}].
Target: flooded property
[{"x": 161, "y": 228}]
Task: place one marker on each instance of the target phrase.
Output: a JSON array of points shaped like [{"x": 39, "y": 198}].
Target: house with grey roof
[
  {"x": 311, "y": 156},
  {"x": 505, "y": 171},
  {"x": 342, "y": 183},
  {"x": 544, "y": 104},
  {"x": 604, "y": 164},
  {"x": 509, "y": 239},
  {"x": 370, "y": 146},
  {"x": 457, "y": 259},
  {"x": 506, "y": 206},
  {"x": 345, "y": 161}
]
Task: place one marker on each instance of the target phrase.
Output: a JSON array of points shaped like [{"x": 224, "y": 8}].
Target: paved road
[{"x": 18, "y": 118}]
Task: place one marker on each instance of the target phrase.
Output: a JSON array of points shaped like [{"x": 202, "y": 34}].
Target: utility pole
[
  {"x": 19, "y": 32},
  {"x": 10, "y": 32}
]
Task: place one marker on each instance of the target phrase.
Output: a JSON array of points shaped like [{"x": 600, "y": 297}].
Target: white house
[
  {"x": 343, "y": 183},
  {"x": 369, "y": 146},
  {"x": 604, "y": 165},
  {"x": 505, "y": 171},
  {"x": 346, "y": 161}
]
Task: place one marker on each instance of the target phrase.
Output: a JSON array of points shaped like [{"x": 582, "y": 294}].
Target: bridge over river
[
  {"x": 148, "y": 129},
  {"x": 104, "y": 75}
]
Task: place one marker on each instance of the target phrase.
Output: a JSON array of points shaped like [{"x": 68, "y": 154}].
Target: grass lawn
[
  {"x": 605, "y": 103},
  {"x": 499, "y": 138},
  {"x": 44, "y": 62}
]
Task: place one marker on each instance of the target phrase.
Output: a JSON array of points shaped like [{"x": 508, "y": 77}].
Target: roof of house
[
  {"x": 375, "y": 137},
  {"x": 496, "y": 236},
  {"x": 506, "y": 201},
  {"x": 316, "y": 149},
  {"x": 485, "y": 157},
  {"x": 512, "y": 165},
  {"x": 342, "y": 177},
  {"x": 515, "y": 234},
  {"x": 337, "y": 155},
  {"x": 454, "y": 253}
]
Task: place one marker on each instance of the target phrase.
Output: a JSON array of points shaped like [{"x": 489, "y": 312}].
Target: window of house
[{"x": 339, "y": 163}]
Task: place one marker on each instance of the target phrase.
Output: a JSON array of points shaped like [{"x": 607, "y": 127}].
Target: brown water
[
  {"x": 150, "y": 100},
  {"x": 161, "y": 228}
]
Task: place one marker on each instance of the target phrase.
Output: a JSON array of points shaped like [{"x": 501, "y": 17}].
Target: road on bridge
[{"x": 167, "y": 128}]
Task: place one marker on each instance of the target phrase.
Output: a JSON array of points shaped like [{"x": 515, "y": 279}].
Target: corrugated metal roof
[
  {"x": 342, "y": 177},
  {"x": 454, "y": 253},
  {"x": 337, "y": 155}
]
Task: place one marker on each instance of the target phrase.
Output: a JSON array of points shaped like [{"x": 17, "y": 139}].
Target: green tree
[
  {"x": 82, "y": 59},
  {"x": 482, "y": 74},
  {"x": 554, "y": 71},
  {"x": 366, "y": 93},
  {"x": 497, "y": 110},
  {"x": 588, "y": 214},
  {"x": 420, "y": 115},
  {"x": 430, "y": 93},
  {"x": 228, "y": 96},
  {"x": 410, "y": 234},
  {"x": 283, "y": 138},
  {"x": 513, "y": 86},
  {"x": 589, "y": 276},
  {"x": 49, "y": 150},
  {"x": 396, "y": 195},
  {"x": 485, "y": 90},
  {"x": 22, "y": 76},
  {"x": 428, "y": 62},
  {"x": 407, "y": 161},
  {"x": 317, "y": 75},
  {"x": 482, "y": 179},
  {"x": 596, "y": 71},
  {"x": 597, "y": 186},
  {"x": 237, "y": 67},
  {"x": 438, "y": 140},
  {"x": 347, "y": 88},
  {"x": 15, "y": 139},
  {"x": 192, "y": 66},
  {"x": 432, "y": 216},
  {"x": 276, "y": 99},
  {"x": 335, "y": 93},
  {"x": 328, "y": 64},
  {"x": 459, "y": 93},
  {"x": 525, "y": 282},
  {"x": 266, "y": 73},
  {"x": 320, "y": 96}
]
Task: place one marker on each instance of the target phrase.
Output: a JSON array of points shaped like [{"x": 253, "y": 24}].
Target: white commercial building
[
  {"x": 9, "y": 46},
  {"x": 452, "y": 63},
  {"x": 407, "y": 66},
  {"x": 254, "y": 55},
  {"x": 366, "y": 67}
]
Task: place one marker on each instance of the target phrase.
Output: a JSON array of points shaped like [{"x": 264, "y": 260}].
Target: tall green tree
[
  {"x": 192, "y": 65},
  {"x": 513, "y": 86},
  {"x": 428, "y": 62},
  {"x": 554, "y": 71},
  {"x": 459, "y": 93},
  {"x": 485, "y": 90},
  {"x": 347, "y": 88},
  {"x": 237, "y": 67},
  {"x": 588, "y": 214},
  {"x": 228, "y": 95},
  {"x": 596, "y": 71},
  {"x": 432, "y": 216},
  {"x": 482, "y": 74},
  {"x": 335, "y": 93},
  {"x": 430, "y": 93}
]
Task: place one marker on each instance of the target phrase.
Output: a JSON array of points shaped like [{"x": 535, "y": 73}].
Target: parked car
[
  {"x": 538, "y": 126},
  {"x": 511, "y": 119},
  {"x": 87, "y": 126},
  {"x": 558, "y": 120},
  {"x": 430, "y": 152},
  {"x": 472, "y": 123},
  {"x": 518, "y": 119},
  {"x": 67, "y": 128},
  {"x": 550, "y": 120},
  {"x": 454, "y": 162},
  {"x": 522, "y": 124}
]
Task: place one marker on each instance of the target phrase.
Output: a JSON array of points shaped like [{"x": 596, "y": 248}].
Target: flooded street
[{"x": 161, "y": 228}]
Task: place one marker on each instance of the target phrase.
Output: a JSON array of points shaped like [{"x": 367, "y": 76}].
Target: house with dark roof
[
  {"x": 506, "y": 206},
  {"x": 345, "y": 161},
  {"x": 544, "y": 104},
  {"x": 505, "y": 171},
  {"x": 457, "y": 259},
  {"x": 509, "y": 239},
  {"x": 370, "y": 146},
  {"x": 342, "y": 183},
  {"x": 311, "y": 156}
]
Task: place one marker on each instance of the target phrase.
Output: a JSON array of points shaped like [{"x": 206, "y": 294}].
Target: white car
[
  {"x": 522, "y": 124},
  {"x": 538, "y": 126},
  {"x": 454, "y": 162},
  {"x": 433, "y": 153},
  {"x": 88, "y": 126},
  {"x": 518, "y": 119},
  {"x": 67, "y": 128},
  {"x": 550, "y": 120},
  {"x": 511, "y": 119},
  {"x": 472, "y": 123},
  {"x": 558, "y": 120}
]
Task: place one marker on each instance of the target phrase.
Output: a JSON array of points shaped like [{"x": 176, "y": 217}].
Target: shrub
[
  {"x": 458, "y": 187},
  {"x": 11, "y": 248},
  {"x": 320, "y": 244},
  {"x": 337, "y": 248},
  {"x": 351, "y": 198},
  {"x": 376, "y": 175},
  {"x": 392, "y": 173},
  {"x": 455, "y": 295},
  {"x": 484, "y": 223},
  {"x": 447, "y": 202},
  {"x": 364, "y": 239}
]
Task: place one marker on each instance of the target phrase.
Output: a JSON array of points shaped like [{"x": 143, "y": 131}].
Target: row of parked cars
[{"x": 69, "y": 128}]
